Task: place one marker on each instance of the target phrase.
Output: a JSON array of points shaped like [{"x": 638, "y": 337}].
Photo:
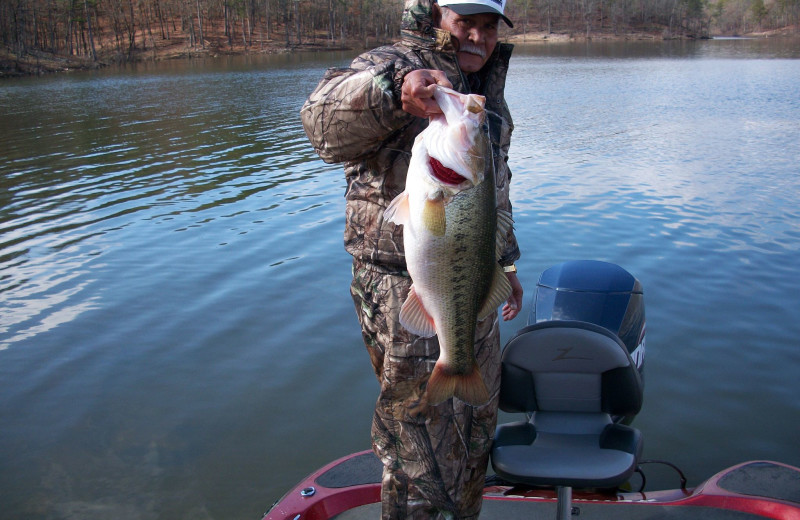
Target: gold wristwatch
[{"x": 510, "y": 268}]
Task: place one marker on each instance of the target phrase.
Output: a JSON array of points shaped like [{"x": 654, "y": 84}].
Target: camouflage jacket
[{"x": 354, "y": 116}]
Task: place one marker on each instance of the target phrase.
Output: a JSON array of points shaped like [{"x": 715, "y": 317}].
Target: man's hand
[
  {"x": 417, "y": 92},
  {"x": 514, "y": 303}
]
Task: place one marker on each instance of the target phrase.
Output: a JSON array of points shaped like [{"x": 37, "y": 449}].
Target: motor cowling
[{"x": 597, "y": 292}]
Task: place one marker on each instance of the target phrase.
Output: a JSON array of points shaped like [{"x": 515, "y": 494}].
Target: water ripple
[{"x": 126, "y": 162}]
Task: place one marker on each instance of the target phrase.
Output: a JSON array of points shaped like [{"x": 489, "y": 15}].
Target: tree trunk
[
  {"x": 297, "y": 20},
  {"x": 148, "y": 20},
  {"x": 330, "y": 20},
  {"x": 132, "y": 33},
  {"x": 200, "y": 25},
  {"x": 225, "y": 13},
  {"x": 286, "y": 24},
  {"x": 269, "y": 19},
  {"x": 89, "y": 22},
  {"x": 67, "y": 38}
]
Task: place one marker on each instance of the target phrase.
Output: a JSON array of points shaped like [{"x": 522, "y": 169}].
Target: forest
[{"x": 120, "y": 30}]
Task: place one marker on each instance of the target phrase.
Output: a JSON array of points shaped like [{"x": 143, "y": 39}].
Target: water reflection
[{"x": 44, "y": 297}]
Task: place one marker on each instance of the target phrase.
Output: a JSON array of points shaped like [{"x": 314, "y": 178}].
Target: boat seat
[{"x": 571, "y": 378}]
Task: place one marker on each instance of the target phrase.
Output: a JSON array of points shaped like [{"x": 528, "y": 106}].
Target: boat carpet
[
  {"x": 510, "y": 510},
  {"x": 764, "y": 479},
  {"x": 362, "y": 469}
]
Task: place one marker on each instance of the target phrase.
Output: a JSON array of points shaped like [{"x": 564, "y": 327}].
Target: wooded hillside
[{"x": 136, "y": 29}]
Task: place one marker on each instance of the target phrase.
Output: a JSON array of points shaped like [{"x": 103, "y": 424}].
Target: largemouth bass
[{"x": 451, "y": 230}]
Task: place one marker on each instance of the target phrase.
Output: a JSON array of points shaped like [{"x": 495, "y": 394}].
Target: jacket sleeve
[
  {"x": 353, "y": 110},
  {"x": 510, "y": 252}
]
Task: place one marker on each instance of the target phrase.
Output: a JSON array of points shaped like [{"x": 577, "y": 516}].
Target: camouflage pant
[{"x": 434, "y": 457}]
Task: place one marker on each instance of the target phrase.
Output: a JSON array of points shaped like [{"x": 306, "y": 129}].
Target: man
[{"x": 367, "y": 116}]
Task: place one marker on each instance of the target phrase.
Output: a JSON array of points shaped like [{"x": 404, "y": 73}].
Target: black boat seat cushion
[{"x": 572, "y": 377}]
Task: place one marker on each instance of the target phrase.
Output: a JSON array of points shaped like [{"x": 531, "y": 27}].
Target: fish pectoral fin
[
  {"x": 433, "y": 216},
  {"x": 397, "y": 211},
  {"x": 498, "y": 293},
  {"x": 505, "y": 223},
  {"x": 415, "y": 318}
]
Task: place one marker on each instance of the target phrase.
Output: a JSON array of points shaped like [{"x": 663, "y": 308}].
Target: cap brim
[{"x": 467, "y": 9}]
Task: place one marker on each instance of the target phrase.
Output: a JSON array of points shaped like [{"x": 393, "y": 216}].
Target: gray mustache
[{"x": 473, "y": 49}]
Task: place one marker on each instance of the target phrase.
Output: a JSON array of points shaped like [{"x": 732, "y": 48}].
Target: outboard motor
[{"x": 597, "y": 292}]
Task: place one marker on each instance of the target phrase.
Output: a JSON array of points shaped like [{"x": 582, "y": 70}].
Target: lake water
[{"x": 177, "y": 338}]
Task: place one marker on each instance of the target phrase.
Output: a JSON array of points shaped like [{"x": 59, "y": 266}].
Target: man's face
[{"x": 476, "y": 35}]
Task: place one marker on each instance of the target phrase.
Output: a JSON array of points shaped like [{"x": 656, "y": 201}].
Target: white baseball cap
[{"x": 467, "y": 7}]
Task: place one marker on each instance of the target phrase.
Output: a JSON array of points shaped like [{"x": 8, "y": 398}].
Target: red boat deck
[{"x": 349, "y": 489}]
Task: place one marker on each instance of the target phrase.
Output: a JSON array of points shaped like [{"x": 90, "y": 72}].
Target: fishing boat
[{"x": 576, "y": 371}]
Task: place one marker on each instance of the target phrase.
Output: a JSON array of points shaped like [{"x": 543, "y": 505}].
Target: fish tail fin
[{"x": 444, "y": 384}]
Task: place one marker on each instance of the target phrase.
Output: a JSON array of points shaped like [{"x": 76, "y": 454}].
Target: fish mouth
[{"x": 444, "y": 174}]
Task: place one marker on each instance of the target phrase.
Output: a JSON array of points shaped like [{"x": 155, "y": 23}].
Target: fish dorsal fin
[
  {"x": 499, "y": 292},
  {"x": 415, "y": 318},
  {"x": 504, "y": 226},
  {"x": 397, "y": 211}
]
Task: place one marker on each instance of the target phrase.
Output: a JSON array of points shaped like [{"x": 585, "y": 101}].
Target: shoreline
[{"x": 38, "y": 63}]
